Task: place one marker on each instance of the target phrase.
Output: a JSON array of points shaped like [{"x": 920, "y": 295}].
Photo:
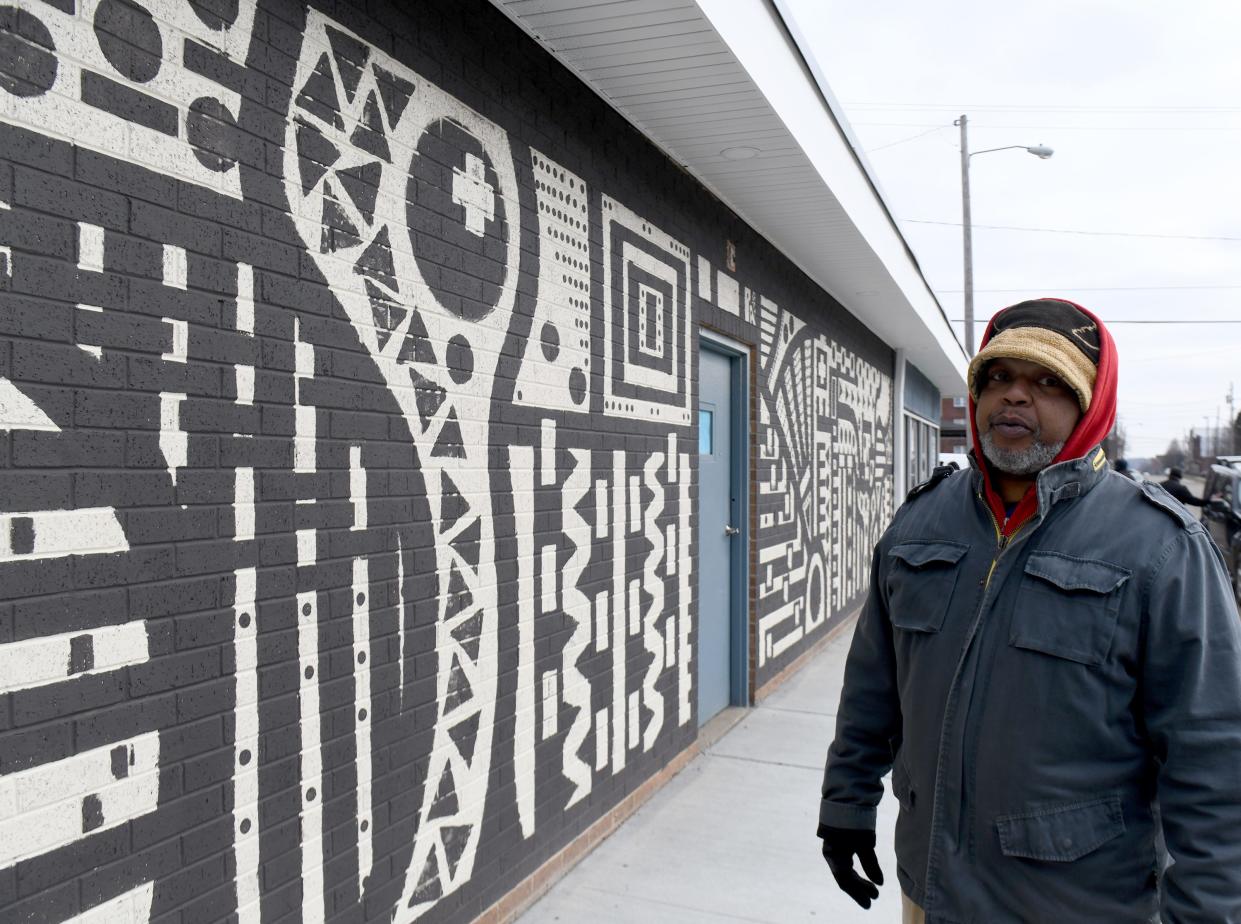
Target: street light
[{"x": 1042, "y": 152}]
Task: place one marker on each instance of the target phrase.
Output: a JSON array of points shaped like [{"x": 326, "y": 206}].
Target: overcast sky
[{"x": 1141, "y": 100}]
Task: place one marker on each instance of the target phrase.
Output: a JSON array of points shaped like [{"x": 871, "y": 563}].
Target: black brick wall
[{"x": 347, "y": 558}]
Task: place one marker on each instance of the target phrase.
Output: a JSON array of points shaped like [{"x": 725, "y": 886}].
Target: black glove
[{"x": 839, "y": 847}]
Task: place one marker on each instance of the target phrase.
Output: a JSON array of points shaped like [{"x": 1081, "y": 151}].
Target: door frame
[{"x": 740, "y": 507}]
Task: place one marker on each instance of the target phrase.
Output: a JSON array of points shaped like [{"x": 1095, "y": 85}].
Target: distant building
[{"x": 954, "y": 425}]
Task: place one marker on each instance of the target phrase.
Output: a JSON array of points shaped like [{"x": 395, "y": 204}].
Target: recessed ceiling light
[{"x": 741, "y": 153}]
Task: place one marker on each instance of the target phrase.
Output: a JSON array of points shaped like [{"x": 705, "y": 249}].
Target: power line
[
  {"x": 905, "y": 140},
  {"x": 1176, "y": 237}
]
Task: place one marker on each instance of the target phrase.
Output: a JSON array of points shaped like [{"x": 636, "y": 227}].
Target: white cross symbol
[{"x": 471, "y": 191}]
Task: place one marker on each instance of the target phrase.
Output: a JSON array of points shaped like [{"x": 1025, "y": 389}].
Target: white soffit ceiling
[{"x": 700, "y": 76}]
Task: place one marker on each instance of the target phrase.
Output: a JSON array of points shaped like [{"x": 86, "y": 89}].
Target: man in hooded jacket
[{"x": 1048, "y": 651}]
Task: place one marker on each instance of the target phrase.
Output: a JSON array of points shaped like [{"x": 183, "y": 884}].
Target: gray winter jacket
[{"x": 1034, "y": 697}]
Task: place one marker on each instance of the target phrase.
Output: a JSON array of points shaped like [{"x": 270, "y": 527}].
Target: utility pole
[{"x": 967, "y": 237}]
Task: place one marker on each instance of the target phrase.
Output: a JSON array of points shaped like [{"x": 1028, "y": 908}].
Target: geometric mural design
[{"x": 347, "y": 536}]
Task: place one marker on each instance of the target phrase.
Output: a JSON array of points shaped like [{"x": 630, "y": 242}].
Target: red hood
[{"x": 1091, "y": 430}]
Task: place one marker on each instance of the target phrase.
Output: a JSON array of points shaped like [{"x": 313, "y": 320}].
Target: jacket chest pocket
[
  {"x": 1067, "y": 607},
  {"x": 920, "y": 582}
]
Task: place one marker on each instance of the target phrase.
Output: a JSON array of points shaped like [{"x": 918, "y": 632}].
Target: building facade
[{"x": 351, "y": 422}]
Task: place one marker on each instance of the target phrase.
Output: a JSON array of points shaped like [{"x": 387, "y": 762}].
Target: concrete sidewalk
[{"x": 731, "y": 838}]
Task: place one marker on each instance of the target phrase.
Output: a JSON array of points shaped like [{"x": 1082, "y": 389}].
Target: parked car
[{"x": 1221, "y": 513}]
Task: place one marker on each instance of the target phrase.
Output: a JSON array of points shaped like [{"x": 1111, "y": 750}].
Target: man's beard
[{"x": 1029, "y": 461}]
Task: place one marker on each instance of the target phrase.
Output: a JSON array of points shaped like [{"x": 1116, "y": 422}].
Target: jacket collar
[{"x": 1059, "y": 481}]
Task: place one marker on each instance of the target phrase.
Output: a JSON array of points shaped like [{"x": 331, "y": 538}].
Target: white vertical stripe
[
  {"x": 90, "y": 247},
  {"x": 243, "y": 504},
  {"x": 670, "y": 539},
  {"x": 246, "y": 736},
  {"x": 304, "y": 416},
  {"x": 634, "y": 718},
  {"x": 245, "y": 298},
  {"x": 601, "y": 738},
  {"x": 672, "y": 457},
  {"x": 670, "y": 641},
  {"x": 635, "y": 503},
  {"x": 547, "y": 578},
  {"x": 180, "y": 334},
  {"x": 619, "y": 646},
  {"x": 311, "y": 794},
  {"x": 37, "y": 662},
  {"x": 305, "y": 546},
  {"x": 132, "y": 907},
  {"x": 400, "y": 616},
  {"x": 173, "y": 441},
  {"x": 601, "y": 621},
  {"x": 85, "y": 531},
  {"x": 551, "y": 703},
  {"x": 522, "y": 467},
  {"x": 601, "y": 508},
  {"x": 357, "y": 487},
  {"x": 245, "y": 383},
  {"x": 174, "y": 266},
  {"x": 362, "y": 712},
  {"x": 684, "y": 677},
  {"x": 547, "y": 452},
  {"x": 52, "y": 805}
]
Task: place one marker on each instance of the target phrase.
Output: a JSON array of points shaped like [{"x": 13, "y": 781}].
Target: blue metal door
[{"x": 715, "y": 537}]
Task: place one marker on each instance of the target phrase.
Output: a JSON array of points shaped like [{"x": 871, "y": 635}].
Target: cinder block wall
[{"x": 347, "y": 508}]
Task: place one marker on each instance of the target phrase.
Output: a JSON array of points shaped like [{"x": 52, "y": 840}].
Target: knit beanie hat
[{"x": 1050, "y": 332}]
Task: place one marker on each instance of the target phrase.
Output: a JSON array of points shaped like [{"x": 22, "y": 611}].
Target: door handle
[{"x": 732, "y": 531}]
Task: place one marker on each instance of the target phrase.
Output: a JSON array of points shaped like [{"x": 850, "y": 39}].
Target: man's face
[{"x": 1025, "y": 413}]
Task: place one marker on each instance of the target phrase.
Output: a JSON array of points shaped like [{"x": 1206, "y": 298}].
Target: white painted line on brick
[
  {"x": 174, "y": 266},
  {"x": 619, "y": 646},
  {"x": 305, "y": 546},
  {"x": 132, "y": 907},
  {"x": 304, "y": 416},
  {"x": 246, "y": 736},
  {"x": 634, "y": 719},
  {"x": 521, "y": 463},
  {"x": 635, "y": 503},
  {"x": 245, "y": 384},
  {"x": 357, "y": 487},
  {"x": 704, "y": 279},
  {"x": 601, "y": 508},
  {"x": 43, "y": 534},
  {"x": 400, "y": 616},
  {"x": 180, "y": 341},
  {"x": 670, "y": 544},
  {"x": 547, "y": 578},
  {"x": 56, "y": 804},
  {"x": 601, "y": 738},
  {"x": 728, "y": 293},
  {"x": 245, "y": 298},
  {"x": 311, "y": 794},
  {"x": 90, "y": 247},
  {"x": 19, "y": 412},
  {"x": 684, "y": 677},
  {"x": 243, "y": 504},
  {"x": 362, "y": 714},
  {"x": 36, "y": 662},
  {"x": 547, "y": 452},
  {"x": 601, "y": 620},
  {"x": 551, "y": 703},
  {"x": 172, "y": 439}
]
